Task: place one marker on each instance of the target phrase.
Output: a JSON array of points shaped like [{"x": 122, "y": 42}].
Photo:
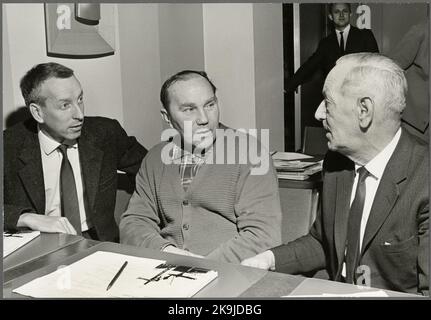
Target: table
[
  {"x": 43, "y": 250},
  {"x": 233, "y": 280}
]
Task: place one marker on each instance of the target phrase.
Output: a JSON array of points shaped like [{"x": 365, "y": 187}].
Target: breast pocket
[{"x": 400, "y": 246}]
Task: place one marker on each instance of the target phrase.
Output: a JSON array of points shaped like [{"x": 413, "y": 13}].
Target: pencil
[{"x": 116, "y": 276}]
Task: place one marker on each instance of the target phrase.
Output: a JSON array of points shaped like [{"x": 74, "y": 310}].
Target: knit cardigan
[{"x": 227, "y": 214}]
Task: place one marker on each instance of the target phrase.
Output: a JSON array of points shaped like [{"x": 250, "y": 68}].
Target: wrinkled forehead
[
  {"x": 191, "y": 84},
  {"x": 60, "y": 88},
  {"x": 336, "y": 77}
]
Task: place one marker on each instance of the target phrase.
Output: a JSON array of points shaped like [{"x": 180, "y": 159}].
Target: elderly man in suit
[
  {"x": 344, "y": 40},
  {"x": 373, "y": 228},
  {"x": 60, "y": 168}
]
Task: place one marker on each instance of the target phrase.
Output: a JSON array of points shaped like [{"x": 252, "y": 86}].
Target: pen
[{"x": 116, "y": 276}]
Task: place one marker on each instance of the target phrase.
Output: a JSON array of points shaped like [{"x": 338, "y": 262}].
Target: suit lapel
[
  {"x": 90, "y": 157},
  {"x": 343, "y": 190},
  {"x": 389, "y": 189},
  {"x": 31, "y": 173},
  {"x": 351, "y": 39}
]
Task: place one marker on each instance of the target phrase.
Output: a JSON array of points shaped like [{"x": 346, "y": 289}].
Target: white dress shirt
[
  {"x": 51, "y": 163},
  {"x": 375, "y": 167},
  {"x": 345, "y": 35}
]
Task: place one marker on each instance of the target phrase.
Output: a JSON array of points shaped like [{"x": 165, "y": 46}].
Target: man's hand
[
  {"x": 44, "y": 223},
  {"x": 173, "y": 249},
  {"x": 264, "y": 260}
]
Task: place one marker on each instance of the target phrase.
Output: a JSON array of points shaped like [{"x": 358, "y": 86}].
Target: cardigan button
[
  {"x": 186, "y": 202},
  {"x": 186, "y": 226}
]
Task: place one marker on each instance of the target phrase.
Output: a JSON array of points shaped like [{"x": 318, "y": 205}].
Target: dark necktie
[
  {"x": 68, "y": 193},
  {"x": 354, "y": 227},
  {"x": 341, "y": 43}
]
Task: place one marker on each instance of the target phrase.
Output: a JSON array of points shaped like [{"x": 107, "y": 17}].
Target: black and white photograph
[{"x": 263, "y": 151}]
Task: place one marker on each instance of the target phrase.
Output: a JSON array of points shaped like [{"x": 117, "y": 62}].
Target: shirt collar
[
  {"x": 345, "y": 31},
  {"x": 179, "y": 153},
  {"x": 48, "y": 144},
  {"x": 377, "y": 165}
]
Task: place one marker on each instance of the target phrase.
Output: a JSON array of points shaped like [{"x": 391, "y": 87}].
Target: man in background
[
  {"x": 412, "y": 54},
  {"x": 60, "y": 168},
  {"x": 185, "y": 202},
  {"x": 343, "y": 40},
  {"x": 373, "y": 228}
]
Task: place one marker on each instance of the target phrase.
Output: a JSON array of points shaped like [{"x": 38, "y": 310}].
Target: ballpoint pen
[{"x": 116, "y": 276}]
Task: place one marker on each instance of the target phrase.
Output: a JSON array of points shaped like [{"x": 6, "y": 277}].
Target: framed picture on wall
[{"x": 79, "y": 30}]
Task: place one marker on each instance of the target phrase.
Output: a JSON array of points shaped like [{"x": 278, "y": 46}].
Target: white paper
[
  {"x": 90, "y": 276},
  {"x": 364, "y": 294},
  {"x": 12, "y": 242},
  {"x": 290, "y": 156}
]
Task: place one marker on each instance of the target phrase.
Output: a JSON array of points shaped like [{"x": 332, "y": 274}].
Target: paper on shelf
[
  {"x": 14, "y": 241},
  {"x": 90, "y": 276},
  {"x": 290, "y": 156}
]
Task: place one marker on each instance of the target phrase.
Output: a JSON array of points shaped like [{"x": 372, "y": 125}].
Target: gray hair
[{"x": 378, "y": 76}]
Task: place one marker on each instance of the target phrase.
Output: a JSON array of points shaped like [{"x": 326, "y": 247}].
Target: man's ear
[
  {"x": 330, "y": 17},
  {"x": 365, "y": 110},
  {"x": 36, "y": 112},
  {"x": 165, "y": 116}
]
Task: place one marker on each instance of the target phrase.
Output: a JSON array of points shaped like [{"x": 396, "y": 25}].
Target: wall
[
  {"x": 268, "y": 52},
  {"x": 181, "y": 38},
  {"x": 8, "y": 95},
  {"x": 140, "y": 71},
  {"x": 244, "y": 56},
  {"x": 229, "y": 60}
]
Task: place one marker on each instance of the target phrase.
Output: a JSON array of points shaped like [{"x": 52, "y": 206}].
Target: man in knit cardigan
[{"x": 187, "y": 201}]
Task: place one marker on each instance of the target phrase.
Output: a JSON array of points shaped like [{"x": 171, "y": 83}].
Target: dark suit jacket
[
  {"x": 399, "y": 216},
  {"x": 412, "y": 54},
  {"x": 328, "y": 52},
  {"x": 104, "y": 147}
]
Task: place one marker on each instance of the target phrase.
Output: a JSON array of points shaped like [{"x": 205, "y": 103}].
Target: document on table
[
  {"x": 142, "y": 277},
  {"x": 313, "y": 287},
  {"x": 365, "y": 294},
  {"x": 14, "y": 241}
]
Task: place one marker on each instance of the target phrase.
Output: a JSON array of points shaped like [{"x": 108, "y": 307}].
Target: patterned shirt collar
[{"x": 187, "y": 157}]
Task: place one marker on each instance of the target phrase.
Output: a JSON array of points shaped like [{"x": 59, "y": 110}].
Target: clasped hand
[{"x": 47, "y": 224}]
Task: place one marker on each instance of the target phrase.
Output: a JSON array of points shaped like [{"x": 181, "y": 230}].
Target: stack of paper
[
  {"x": 296, "y": 166},
  {"x": 14, "y": 241},
  {"x": 142, "y": 277}
]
